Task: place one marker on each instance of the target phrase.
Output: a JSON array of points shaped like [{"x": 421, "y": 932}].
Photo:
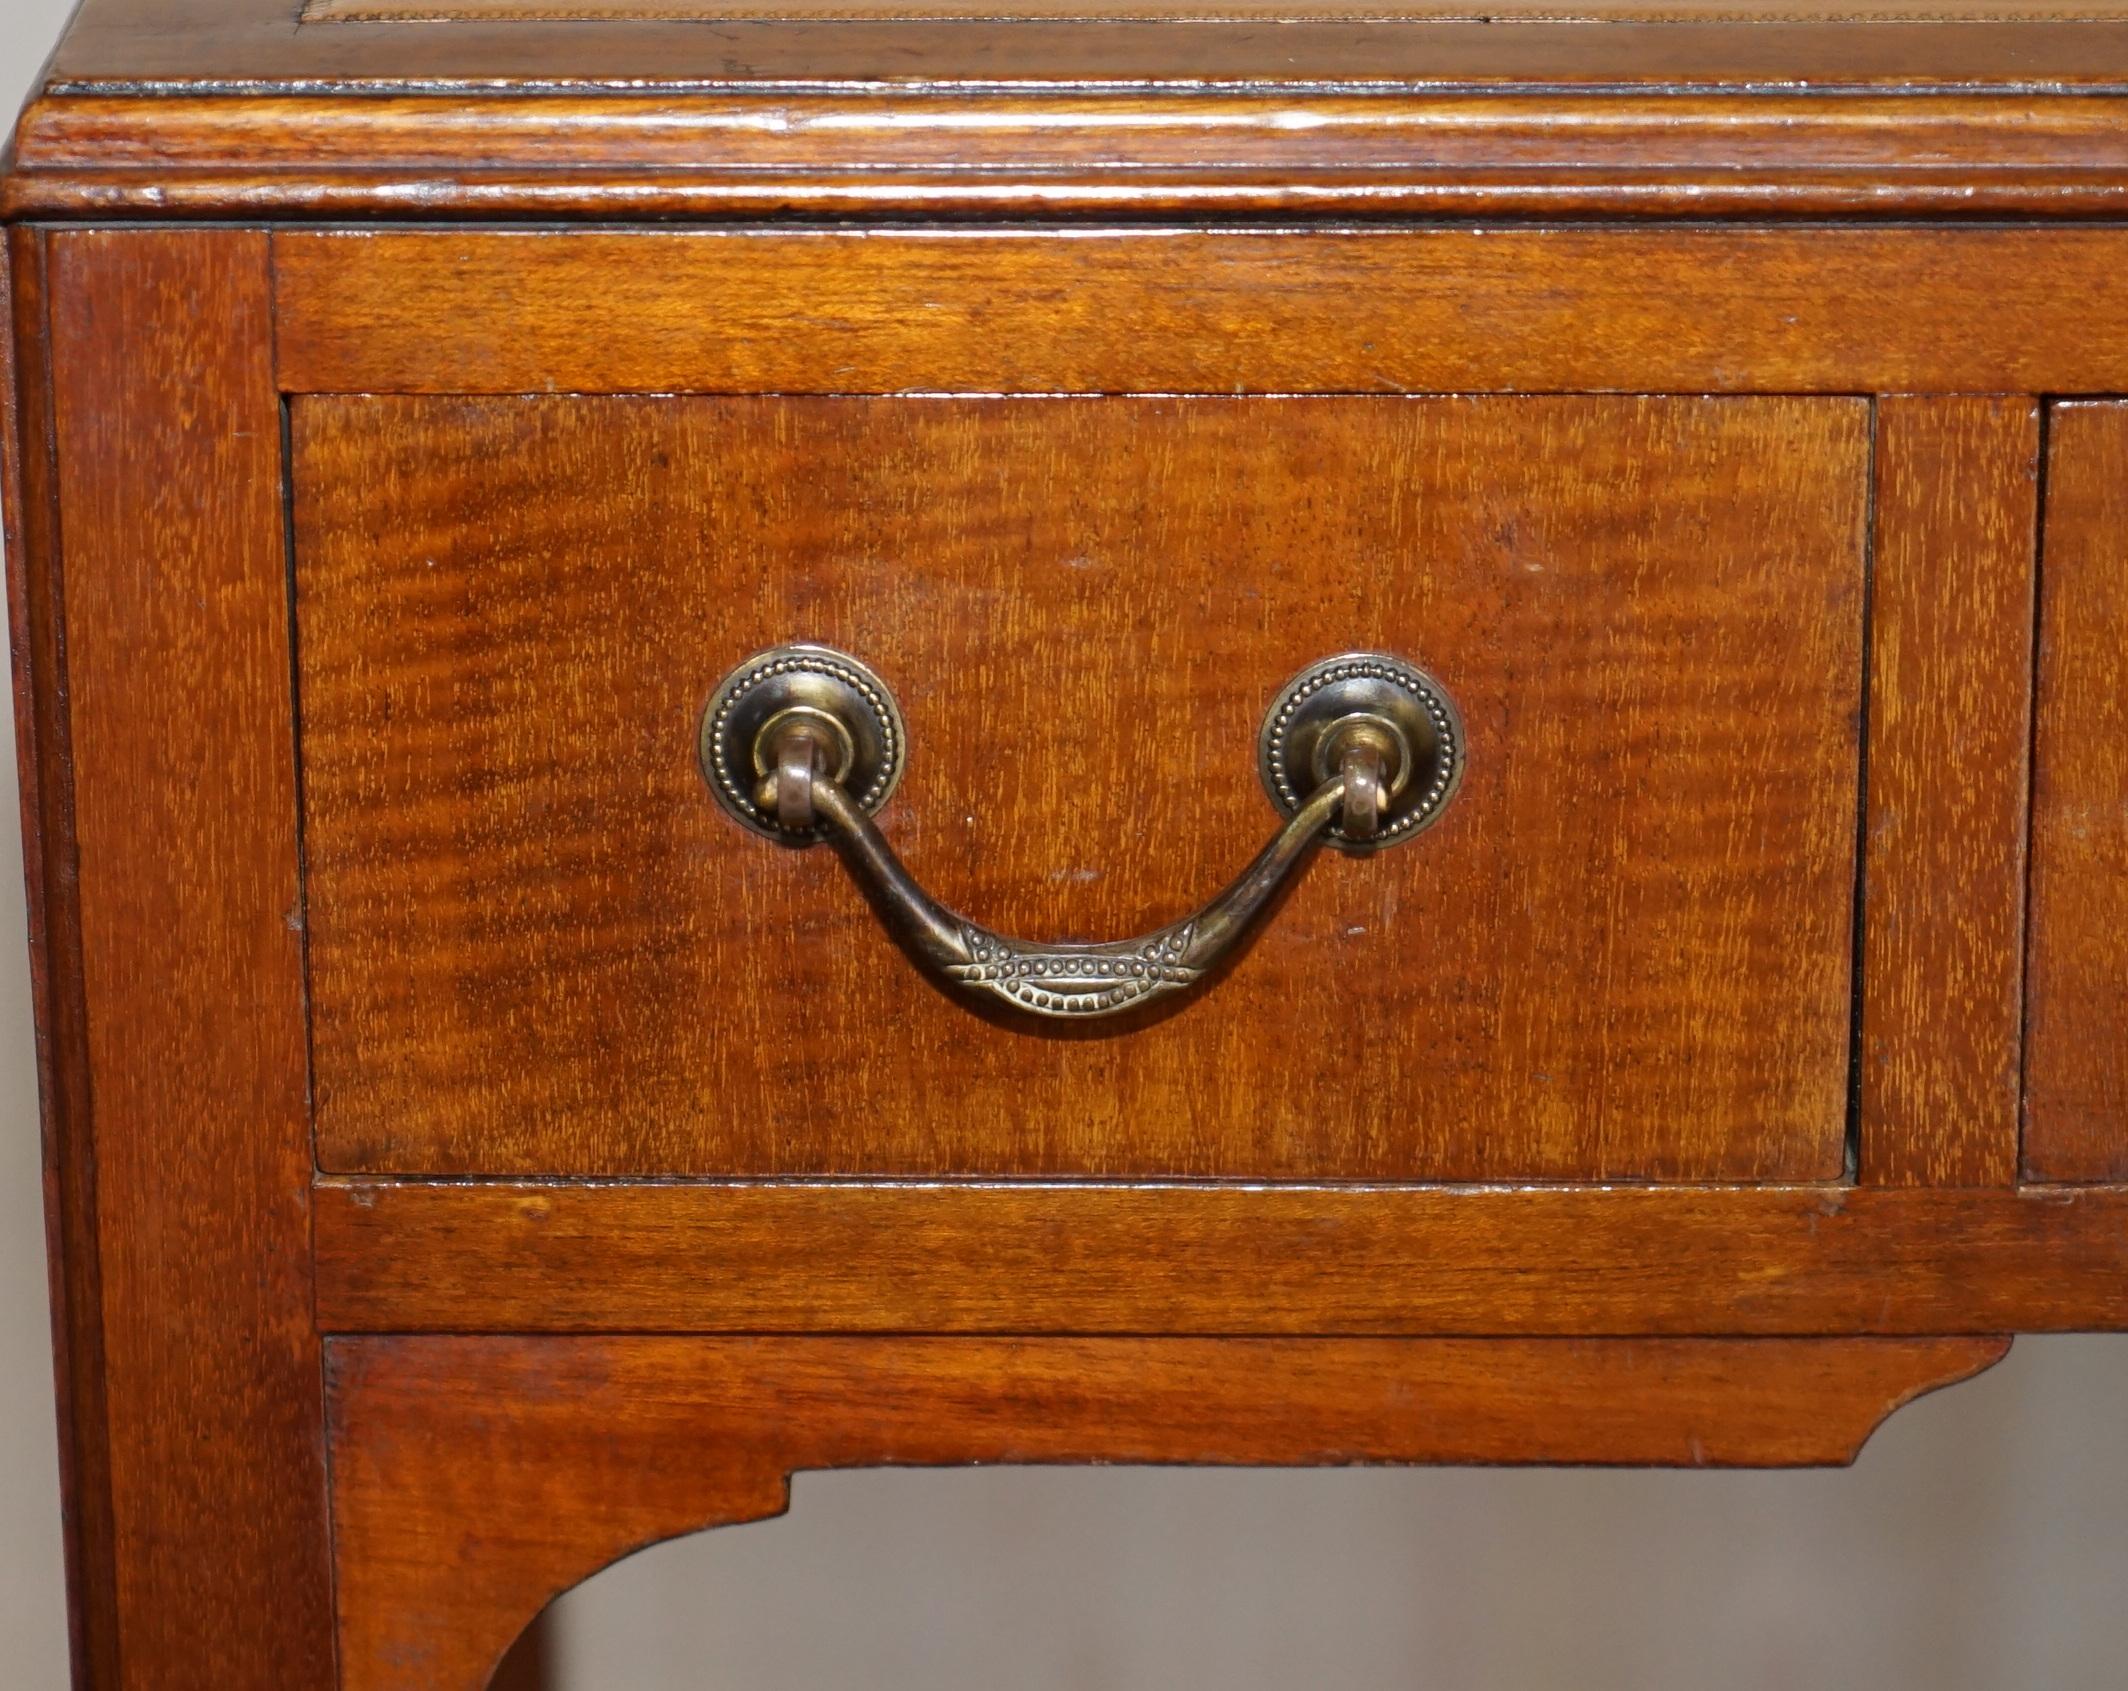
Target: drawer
[{"x": 1623, "y": 951}]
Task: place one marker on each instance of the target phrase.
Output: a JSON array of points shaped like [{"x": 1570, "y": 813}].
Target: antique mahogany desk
[{"x": 1626, "y": 501}]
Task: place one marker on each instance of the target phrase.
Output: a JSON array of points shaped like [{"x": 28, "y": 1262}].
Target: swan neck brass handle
[
  {"x": 804, "y": 743},
  {"x": 1070, "y": 979}
]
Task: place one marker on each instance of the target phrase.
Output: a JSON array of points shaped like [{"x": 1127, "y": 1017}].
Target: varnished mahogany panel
[
  {"x": 396, "y": 1256},
  {"x": 474, "y": 1479},
  {"x": 181, "y": 1152},
  {"x": 1956, "y": 521},
  {"x": 1842, "y": 310},
  {"x": 2077, "y": 1065},
  {"x": 537, "y": 946}
]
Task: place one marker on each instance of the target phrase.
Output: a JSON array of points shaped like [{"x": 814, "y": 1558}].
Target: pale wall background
[{"x": 1980, "y": 1545}]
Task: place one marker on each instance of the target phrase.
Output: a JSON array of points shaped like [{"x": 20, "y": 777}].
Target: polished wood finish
[
  {"x": 29, "y": 503},
  {"x": 1957, "y": 524},
  {"x": 475, "y": 1479},
  {"x": 1753, "y": 324},
  {"x": 538, "y": 947},
  {"x": 2076, "y": 1081},
  {"x": 1104, "y": 154},
  {"x": 1213, "y": 11},
  {"x": 154, "y": 49},
  {"x": 1404, "y": 311},
  {"x": 182, "y": 1170},
  {"x": 398, "y": 1256},
  {"x": 151, "y": 51}
]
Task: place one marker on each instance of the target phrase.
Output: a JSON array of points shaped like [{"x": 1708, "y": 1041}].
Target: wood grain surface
[
  {"x": 2076, "y": 1079},
  {"x": 1626, "y": 957},
  {"x": 1844, "y": 310},
  {"x": 1957, "y": 525},
  {"x": 45, "y": 786},
  {"x": 398, "y": 1256},
  {"x": 159, "y": 49},
  {"x": 1230, "y": 11},
  {"x": 1110, "y": 153},
  {"x": 177, "y": 714},
  {"x": 538, "y": 947},
  {"x": 473, "y": 1479}
]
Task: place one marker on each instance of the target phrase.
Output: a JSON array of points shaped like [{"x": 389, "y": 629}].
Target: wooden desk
[{"x": 480, "y": 1146}]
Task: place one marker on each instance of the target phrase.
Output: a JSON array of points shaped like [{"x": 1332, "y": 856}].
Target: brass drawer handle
[{"x": 803, "y": 743}]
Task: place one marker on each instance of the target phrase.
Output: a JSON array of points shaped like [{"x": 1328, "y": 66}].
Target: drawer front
[{"x": 1625, "y": 951}]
